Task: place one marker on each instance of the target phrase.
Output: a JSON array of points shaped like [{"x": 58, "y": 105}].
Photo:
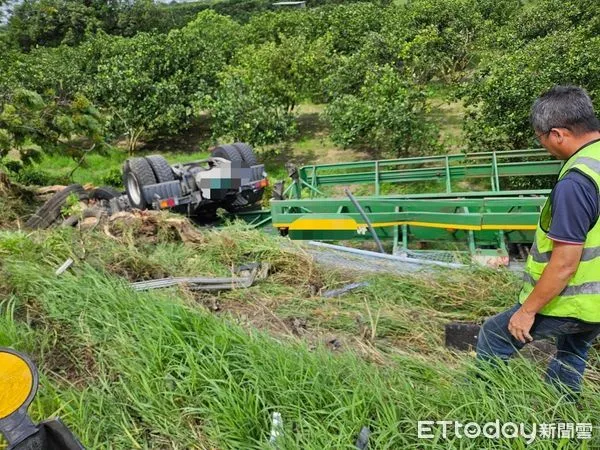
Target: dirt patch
[
  {"x": 256, "y": 312},
  {"x": 68, "y": 359}
]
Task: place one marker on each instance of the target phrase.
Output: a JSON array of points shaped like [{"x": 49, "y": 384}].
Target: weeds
[{"x": 158, "y": 370}]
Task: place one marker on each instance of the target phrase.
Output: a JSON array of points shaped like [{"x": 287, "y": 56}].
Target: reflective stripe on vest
[
  {"x": 581, "y": 297},
  {"x": 592, "y": 287},
  {"x": 587, "y": 255}
]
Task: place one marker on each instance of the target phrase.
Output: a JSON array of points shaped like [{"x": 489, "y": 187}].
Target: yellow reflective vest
[{"x": 580, "y": 299}]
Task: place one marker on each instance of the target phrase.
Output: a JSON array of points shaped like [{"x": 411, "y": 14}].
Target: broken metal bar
[
  {"x": 215, "y": 283},
  {"x": 206, "y": 283},
  {"x": 68, "y": 263},
  {"x": 370, "y": 254},
  {"x": 366, "y": 219},
  {"x": 337, "y": 292}
]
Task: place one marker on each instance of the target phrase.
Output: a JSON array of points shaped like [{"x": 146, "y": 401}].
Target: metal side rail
[{"x": 446, "y": 169}]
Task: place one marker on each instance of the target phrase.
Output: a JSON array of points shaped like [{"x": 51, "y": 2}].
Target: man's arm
[{"x": 561, "y": 267}]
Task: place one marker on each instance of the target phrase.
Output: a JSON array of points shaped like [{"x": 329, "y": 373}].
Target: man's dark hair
[{"x": 564, "y": 107}]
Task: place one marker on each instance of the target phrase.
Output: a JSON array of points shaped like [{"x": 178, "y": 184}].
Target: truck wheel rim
[{"x": 134, "y": 189}]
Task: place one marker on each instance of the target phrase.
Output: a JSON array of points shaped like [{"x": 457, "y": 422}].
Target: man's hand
[
  {"x": 520, "y": 324},
  {"x": 561, "y": 267}
]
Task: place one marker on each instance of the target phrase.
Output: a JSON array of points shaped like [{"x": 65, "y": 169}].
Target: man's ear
[{"x": 559, "y": 134}]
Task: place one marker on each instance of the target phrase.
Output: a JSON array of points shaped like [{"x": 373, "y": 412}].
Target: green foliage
[
  {"x": 544, "y": 17},
  {"x": 33, "y": 176},
  {"x": 501, "y": 93},
  {"x": 54, "y": 22},
  {"x": 249, "y": 78},
  {"x": 263, "y": 85},
  {"x": 271, "y": 26},
  {"x": 154, "y": 84},
  {"x": 51, "y": 22},
  {"x": 388, "y": 115},
  {"x": 349, "y": 25},
  {"x": 440, "y": 38},
  {"x": 138, "y": 16},
  {"x": 242, "y": 112},
  {"x": 29, "y": 122},
  {"x": 113, "y": 178}
]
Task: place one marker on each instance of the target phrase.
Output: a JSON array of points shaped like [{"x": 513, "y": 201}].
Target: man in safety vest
[{"x": 560, "y": 297}]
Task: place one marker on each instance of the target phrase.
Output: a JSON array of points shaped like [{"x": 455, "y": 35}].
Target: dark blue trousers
[{"x": 573, "y": 340}]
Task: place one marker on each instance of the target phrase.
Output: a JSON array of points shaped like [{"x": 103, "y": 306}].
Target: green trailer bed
[{"x": 482, "y": 221}]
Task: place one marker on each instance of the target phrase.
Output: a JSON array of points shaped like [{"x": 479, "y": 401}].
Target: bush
[
  {"x": 242, "y": 112},
  {"x": 263, "y": 85},
  {"x": 388, "y": 115},
  {"x": 33, "y": 176},
  {"x": 544, "y": 17},
  {"x": 500, "y": 95},
  {"x": 113, "y": 178},
  {"x": 31, "y": 123},
  {"x": 440, "y": 38}
]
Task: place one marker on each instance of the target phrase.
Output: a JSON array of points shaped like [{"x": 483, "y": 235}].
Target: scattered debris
[
  {"x": 68, "y": 263},
  {"x": 461, "y": 335},
  {"x": 94, "y": 202},
  {"x": 276, "y": 428},
  {"x": 333, "y": 343},
  {"x": 49, "y": 190},
  {"x": 257, "y": 271},
  {"x": 118, "y": 204},
  {"x": 95, "y": 213},
  {"x": 297, "y": 325},
  {"x": 150, "y": 224},
  {"x": 337, "y": 292},
  {"x": 362, "y": 443}
]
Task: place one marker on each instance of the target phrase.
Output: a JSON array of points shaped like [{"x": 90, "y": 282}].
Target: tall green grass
[{"x": 155, "y": 370}]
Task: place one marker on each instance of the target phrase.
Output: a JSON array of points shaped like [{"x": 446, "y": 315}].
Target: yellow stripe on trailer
[
  {"x": 424, "y": 224},
  {"x": 307, "y": 224},
  {"x": 522, "y": 227}
]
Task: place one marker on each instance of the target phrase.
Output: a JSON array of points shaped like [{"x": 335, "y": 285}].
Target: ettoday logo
[{"x": 447, "y": 429}]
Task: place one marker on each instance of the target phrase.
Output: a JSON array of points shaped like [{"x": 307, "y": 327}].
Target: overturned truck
[{"x": 231, "y": 179}]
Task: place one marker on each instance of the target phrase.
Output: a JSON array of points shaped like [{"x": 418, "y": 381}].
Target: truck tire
[
  {"x": 137, "y": 173},
  {"x": 247, "y": 153},
  {"x": 228, "y": 152},
  {"x": 161, "y": 168},
  {"x": 49, "y": 211},
  {"x": 249, "y": 157},
  {"x": 104, "y": 193}
]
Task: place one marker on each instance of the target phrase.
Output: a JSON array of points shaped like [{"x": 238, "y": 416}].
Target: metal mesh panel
[{"x": 436, "y": 255}]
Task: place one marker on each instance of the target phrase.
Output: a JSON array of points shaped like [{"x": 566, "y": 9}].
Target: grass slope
[{"x": 160, "y": 370}]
